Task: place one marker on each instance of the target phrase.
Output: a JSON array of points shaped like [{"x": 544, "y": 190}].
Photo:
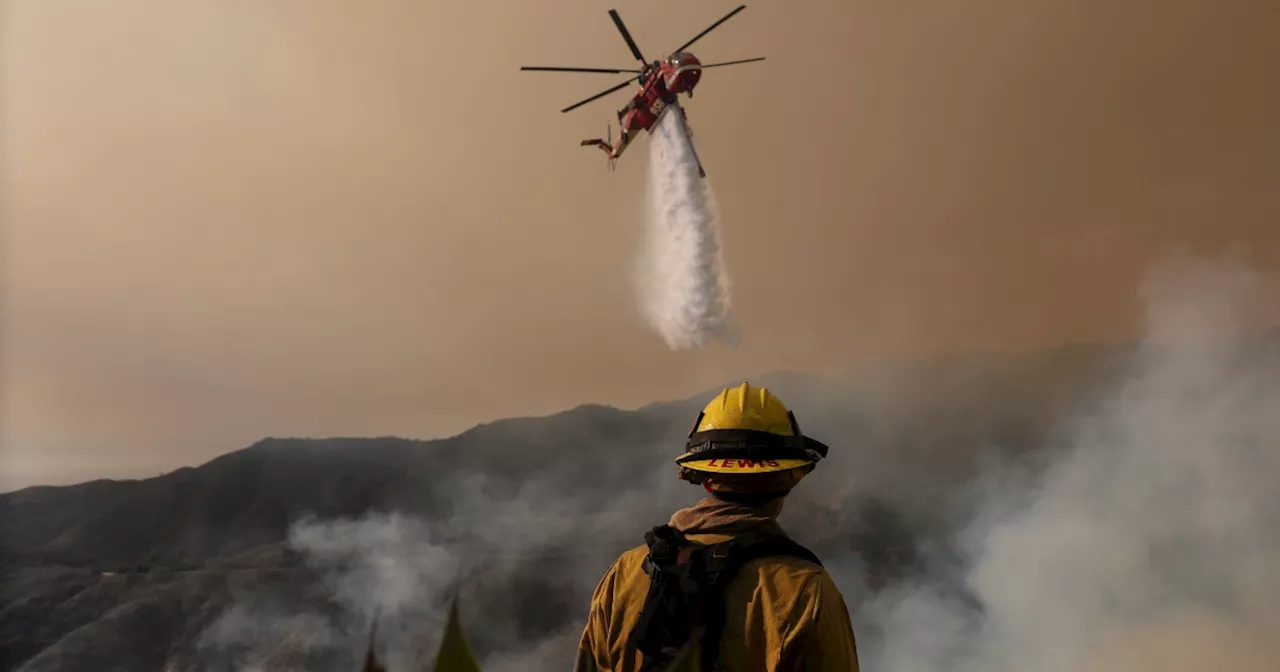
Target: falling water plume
[{"x": 683, "y": 283}]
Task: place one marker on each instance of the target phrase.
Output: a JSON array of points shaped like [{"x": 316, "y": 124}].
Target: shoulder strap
[
  {"x": 722, "y": 563},
  {"x": 765, "y": 547},
  {"x": 686, "y": 584},
  {"x": 668, "y": 616}
]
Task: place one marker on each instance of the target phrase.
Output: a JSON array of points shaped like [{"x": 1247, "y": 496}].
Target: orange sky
[{"x": 225, "y": 219}]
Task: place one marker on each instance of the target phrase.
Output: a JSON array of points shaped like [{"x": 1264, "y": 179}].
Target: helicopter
[{"x": 661, "y": 82}]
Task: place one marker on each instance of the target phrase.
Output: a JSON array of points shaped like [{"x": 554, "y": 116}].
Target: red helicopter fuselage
[{"x": 662, "y": 82}]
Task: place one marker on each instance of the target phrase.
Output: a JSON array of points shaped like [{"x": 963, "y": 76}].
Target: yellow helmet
[{"x": 747, "y": 440}]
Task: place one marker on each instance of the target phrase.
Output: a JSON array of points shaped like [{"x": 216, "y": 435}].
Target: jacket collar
[{"x": 716, "y": 516}]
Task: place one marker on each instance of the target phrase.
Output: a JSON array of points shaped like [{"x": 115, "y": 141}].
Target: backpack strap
[
  {"x": 722, "y": 562},
  {"x": 671, "y": 605},
  {"x": 686, "y": 590}
]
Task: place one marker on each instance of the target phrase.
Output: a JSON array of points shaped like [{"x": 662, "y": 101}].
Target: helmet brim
[{"x": 742, "y": 466}]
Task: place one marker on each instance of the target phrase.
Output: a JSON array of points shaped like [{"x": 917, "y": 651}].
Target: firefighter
[{"x": 721, "y": 583}]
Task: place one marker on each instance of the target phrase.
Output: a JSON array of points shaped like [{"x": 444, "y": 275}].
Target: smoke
[
  {"x": 1154, "y": 541},
  {"x": 386, "y": 566},
  {"x": 523, "y": 562},
  {"x": 683, "y": 284},
  {"x": 1141, "y": 533},
  {"x": 386, "y": 563}
]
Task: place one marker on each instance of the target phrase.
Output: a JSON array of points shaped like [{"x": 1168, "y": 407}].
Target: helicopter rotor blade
[
  {"x": 602, "y": 94},
  {"x": 745, "y": 60},
  {"x": 614, "y": 71},
  {"x": 622, "y": 28},
  {"x": 712, "y": 27}
]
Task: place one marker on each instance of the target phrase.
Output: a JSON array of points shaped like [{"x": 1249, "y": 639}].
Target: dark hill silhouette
[
  {"x": 127, "y": 574},
  {"x": 247, "y": 498}
]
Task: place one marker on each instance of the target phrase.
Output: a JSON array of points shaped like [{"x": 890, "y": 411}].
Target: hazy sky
[{"x": 225, "y": 219}]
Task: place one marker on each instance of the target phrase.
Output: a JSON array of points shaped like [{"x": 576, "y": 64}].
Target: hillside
[{"x": 216, "y": 565}]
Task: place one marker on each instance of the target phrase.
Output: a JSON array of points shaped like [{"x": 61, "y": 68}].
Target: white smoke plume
[
  {"x": 404, "y": 569},
  {"x": 1153, "y": 543},
  {"x": 683, "y": 282},
  {"x": 388, "y": 563},
  {"x": 392, "y": 567}
]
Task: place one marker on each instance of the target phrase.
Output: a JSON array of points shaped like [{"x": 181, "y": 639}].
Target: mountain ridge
[
  {"x": 368, "y": 457},
  {"x": 181, "y": 552}
]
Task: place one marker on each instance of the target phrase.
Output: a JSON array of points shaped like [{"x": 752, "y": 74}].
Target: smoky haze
[
  {"x": 1139, "y": 532},
  {"x": 1150, "y": 543},
  {"x": 226, "y": 220}
]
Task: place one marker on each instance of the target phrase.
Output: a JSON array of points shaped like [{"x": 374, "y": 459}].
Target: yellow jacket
[{"x": 782, "y": 613}]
